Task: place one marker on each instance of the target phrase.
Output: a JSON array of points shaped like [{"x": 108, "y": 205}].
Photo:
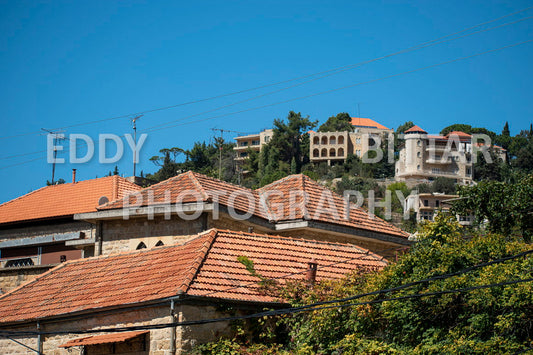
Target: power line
[
  {"x": 314, "y": 306},
  {"x": 329, "y": 72},
  {"x": 315, "y": 94},
  {"x": 291, "y": 310}
]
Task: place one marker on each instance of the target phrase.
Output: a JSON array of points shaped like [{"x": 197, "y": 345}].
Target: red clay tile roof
[
  {"x": 366, "y": 122},
  {"x": 415, "y": 129},
  {"x": 64, "y": 199},
  {"x": 275, "y": 202},
  {"x": 309, "y": 200},
  {"x": 103, "y": 339},
  {"x": 206, "y": 266}
]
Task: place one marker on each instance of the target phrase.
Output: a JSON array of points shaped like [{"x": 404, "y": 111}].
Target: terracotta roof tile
[
  {"x": 103, "y": 339},
  {"x": 415, "y": 129},
  {"x": 65, "y": 199},
  {"x": 296, "y": 197},
  {"x": 206, "y": 266},
  {"x": 366, "y": 122}
]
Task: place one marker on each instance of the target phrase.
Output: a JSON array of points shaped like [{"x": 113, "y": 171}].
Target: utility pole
[
  {"x": 220, "y": 148},
  {"x": 134, "y": 121},
  {"x": 56, "y": 138}
]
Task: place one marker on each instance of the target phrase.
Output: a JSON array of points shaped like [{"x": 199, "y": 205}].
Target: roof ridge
[
  {"x": 221, "y": 181},
  {"x": 29, "y": 193},
  {"x": 198, "y": 185},
  {"x": 196, "y": 265}
]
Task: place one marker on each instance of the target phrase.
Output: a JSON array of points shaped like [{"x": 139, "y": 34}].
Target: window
[
  {"x": 418, "y": 167},
  {"x": 255, "y": 142},
  {"x": 435, "y": 170},
  {"x": 243, "y": 144},
  {"x": 340, "y": 152},
  {"x": 418, "y": 154},
  {"x": 332, "y": 140},
  {"x": 267, "y": 139},
  {"x": 468, "y": 171},
  {"x": 62, "y": 258},
  {"x": 141, "y": 246},
  {"x": 19, "y": 262},
  {"x": 324, "y": 153},
  {"x": 315, "y": 153},
  {"x": 426, "y": 203},
  {"x": 324, "y": 140},
  {"x": 418, "y": 142},
  {"x": 357, "y": 140},
  {"x": 358, "y": 152},
  {"x": 316, "y": 140},
  {"x": 332, "y": 152},
  {"x": 341, "y": 140},
  {"x": 159, "y": 244},
  {"x": 437, "y": 203},
  {"x": 244, "y": 154}
]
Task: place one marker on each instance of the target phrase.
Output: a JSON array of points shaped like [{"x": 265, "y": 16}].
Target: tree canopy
[{"x": 342, "y": 122}]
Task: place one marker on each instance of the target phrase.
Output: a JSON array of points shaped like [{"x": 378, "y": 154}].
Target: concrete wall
[
  {"x": 158, "y": 339},
  {"x": 48, "y": 229}
]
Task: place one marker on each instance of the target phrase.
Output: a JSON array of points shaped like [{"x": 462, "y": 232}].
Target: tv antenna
[
  {"x": 57, "y": 137},
  {"x": 220, "y": 147},
  {"x": 134, "y": 122}
]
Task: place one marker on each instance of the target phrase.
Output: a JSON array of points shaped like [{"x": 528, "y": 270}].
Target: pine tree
[{"x": 505, "y": 131}]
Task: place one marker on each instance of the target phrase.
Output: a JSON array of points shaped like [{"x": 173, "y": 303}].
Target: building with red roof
[
  {"x": 37, "y": 230},
  {"x": 334, "y": 147},
  {"x": 189, "y": 203},
  {"x": 166, "y": 284}
]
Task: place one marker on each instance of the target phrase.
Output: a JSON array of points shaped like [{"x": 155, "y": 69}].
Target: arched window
[
  {"x": 141, "y": 246},
  {"x": 340, "y": 152},
  {"x": 332, "y": 152},
  {"x": 315, "y": 153},
  {"x": 159, "y": 244},
  {"x": 332, "y": 140},
  {"x": 341, "y": 140},
  {"x": 324, "y": 153},
  {"x": 316, "y": 140},
  {"x": 418, "y": 154},
  {"x": 324, "y": 140}
]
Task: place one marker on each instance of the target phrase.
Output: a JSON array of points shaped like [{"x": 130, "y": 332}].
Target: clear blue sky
[{"x": 65, "y": 63}]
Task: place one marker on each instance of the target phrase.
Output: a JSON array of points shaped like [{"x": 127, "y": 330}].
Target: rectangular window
[
  {"x": 255, "y": 142},
  {"x": 426, "y": 203},
  {"x": 437, "y": 203}
]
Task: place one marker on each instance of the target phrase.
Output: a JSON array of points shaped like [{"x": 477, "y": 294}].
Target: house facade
[
  {"x": 335, "y": 146},
  {"x": 176, "y": 209},
  {"x": 425, "y": 157},
  {"x": 252, "y": 141},
  {"x": 38, "y": 231},
  {"x": 427, "y": 205},
  {"x": 137, "y": 302}
]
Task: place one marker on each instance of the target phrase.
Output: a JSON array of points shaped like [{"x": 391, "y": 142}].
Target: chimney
[
  {"x": 311, "y": 271},
  {"x": 73, "y": 176}
]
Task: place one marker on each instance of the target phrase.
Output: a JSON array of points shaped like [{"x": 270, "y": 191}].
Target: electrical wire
[
  {"x": 318, "y": 93},
  {"x": 328, "y": 72},
  {"x": 314, "y": 306}
]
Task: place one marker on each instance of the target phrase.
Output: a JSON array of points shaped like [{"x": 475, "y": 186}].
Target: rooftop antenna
[
  {"x": 220, "y": 148},
  {"x": 56, "y": 134},
  {"x": 134, "y": 122}
]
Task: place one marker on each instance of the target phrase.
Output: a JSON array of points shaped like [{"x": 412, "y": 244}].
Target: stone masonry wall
[
  {"x": 125, "y": 235},
  {"x": 11, "y": 278},
  {"x": 159, "y": 339}
]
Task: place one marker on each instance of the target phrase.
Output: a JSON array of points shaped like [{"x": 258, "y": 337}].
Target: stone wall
[
  {"x": 158, "y": 339},
  {"x": 11, "y": 278},
  {"x": 125, "y": 235}
]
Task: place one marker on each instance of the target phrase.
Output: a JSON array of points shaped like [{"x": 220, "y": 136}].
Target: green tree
[
  {"x": 505, "y": 131},
  {"x": 342, "y": 122},
  {"x": 289, "y": 138},
  {"x": 507, "y": 207}
]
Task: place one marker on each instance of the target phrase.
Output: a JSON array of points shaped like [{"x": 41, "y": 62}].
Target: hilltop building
[
  {"x": 252, "y": 141},
  {"x": 336, "y": 146}
]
